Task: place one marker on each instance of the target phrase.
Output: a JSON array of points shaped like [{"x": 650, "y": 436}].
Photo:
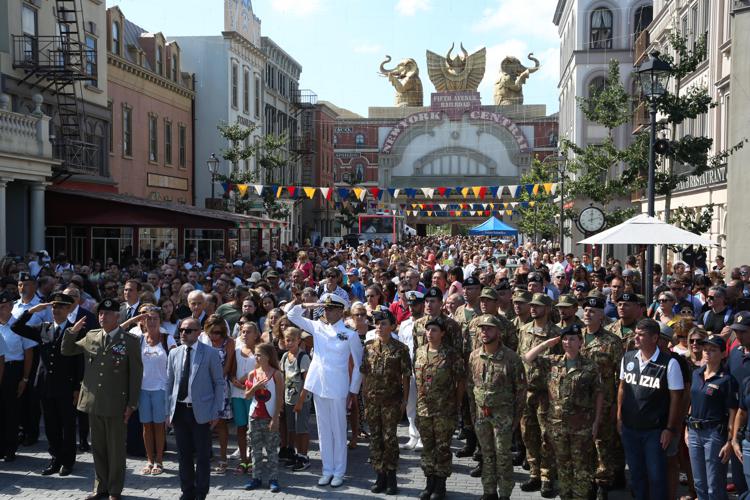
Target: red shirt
[{"x": 400, "y": 312}]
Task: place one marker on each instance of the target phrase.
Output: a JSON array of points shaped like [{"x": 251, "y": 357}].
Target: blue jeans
[
  {"x": 647, "y": 463},
  {"x": 709, "y": 474}
]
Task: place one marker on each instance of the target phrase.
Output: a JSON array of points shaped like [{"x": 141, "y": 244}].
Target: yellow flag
[
  {"x": 476, "y": 190},
  {"x": 536, "y": 189},
  {"x": 465, "y": 192},
  {"x": 309, "y": 191},
  {"x": 242, "y": 188},
  {"x": 548, "y": 187},
  {"x": 278, "y": 192}
]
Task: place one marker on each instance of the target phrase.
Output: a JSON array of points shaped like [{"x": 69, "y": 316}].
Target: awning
[
  {"x": 70, "y": 208},
  {"x": 493, "y": 227},
  {"x": 645, "y": 230}
]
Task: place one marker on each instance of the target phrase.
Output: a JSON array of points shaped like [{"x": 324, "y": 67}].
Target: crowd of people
[{"x": 539, "y": 359}]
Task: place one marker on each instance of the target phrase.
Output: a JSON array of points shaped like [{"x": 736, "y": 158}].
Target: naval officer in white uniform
[{"x": 329, "y": 381}]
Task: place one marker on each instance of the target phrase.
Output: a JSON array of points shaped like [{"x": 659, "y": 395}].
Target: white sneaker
[
  {"x": 409, "y": 445},
  {"x": 324, "y": 480},
  {"x": 235, "y": 455},
  {"x": 419, "y": 445},
  {"x": 337, "y": 481}
]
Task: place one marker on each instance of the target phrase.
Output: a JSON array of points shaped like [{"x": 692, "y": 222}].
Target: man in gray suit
[{"x": 195, "y": 394}]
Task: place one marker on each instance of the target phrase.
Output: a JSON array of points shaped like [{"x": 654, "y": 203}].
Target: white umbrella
[{"x": 645, "y": 230}]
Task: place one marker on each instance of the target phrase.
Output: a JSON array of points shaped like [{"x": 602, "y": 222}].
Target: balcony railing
[
  {"x": 301, "y": 143},
  {"x": 51, "y": 55},
  {"x": 304, "y": 98},
  {"x": 640, "y": 47},
  {"x": 78, "y": 157}
]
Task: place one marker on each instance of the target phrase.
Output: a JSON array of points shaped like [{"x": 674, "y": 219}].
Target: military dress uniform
[
  {"x": 57, "y": 378},
  {"x": 498, "y": 384},
  {"x": 385, "y": 365},
  {"x": 539, "y": 452},
  {"x": 112, "y": 377}
]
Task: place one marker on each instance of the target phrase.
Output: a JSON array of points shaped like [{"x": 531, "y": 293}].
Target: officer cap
[
  {"x": 574, "y": 329},
  {"x": 61, "y": 298},
  {"x": 489, "y": 320},
  {"x": 108, "y": 305},
  {"x": 522, "y": 296},
  {"x": 24, "y": 276},
  {"x": 5, "y": 298},
  {"x": 540, "y": 299},
  {"x": 488, "y": 293},
  {"x": 439, "y": 322},
  {"x": 595, "y": 301},
  {"x": 414, "y": 297},
  {"x": 741, "y": 321},
  {"x": 503, "y": 285},
  {"x": 567, "y": 301},
  {"x": 333, "y": 300},
  {"x": 435, "y": 293},
  {"x": 384, "y": 314},
  {"x": 582, "y": 286},
  {"x": 471, "y": 281},
  {"x": 714, "y": 340},
  {"x": 629, "y": 297},
  {"x": 535, "y": 278}
]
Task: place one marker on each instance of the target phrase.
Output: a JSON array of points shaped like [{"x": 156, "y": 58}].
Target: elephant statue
[
  {"x": 513, "y": 75},
  {"x": 405, "y": 79}
]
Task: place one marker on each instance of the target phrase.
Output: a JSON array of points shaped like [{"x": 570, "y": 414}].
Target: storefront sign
[
  {"x": 167, "y": 181},
  {"x": 710, "y": 177},
  {"x": 343, "y": 130},
  {"x": 245, "y": 122},
  {"x": 347, "y": 156},
  {"x": 455, "y": 103}
]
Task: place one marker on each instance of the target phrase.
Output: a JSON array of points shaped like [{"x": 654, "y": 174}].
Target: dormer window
[
  {"x": 174, "y": 67},
  {"x": 159, "y": 61},
  {"x": 116, "y": 38}
]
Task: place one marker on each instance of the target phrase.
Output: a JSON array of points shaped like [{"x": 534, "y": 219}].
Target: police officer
[
  {"x": 630, "y": 312},
  {"x": 605, "y": 349},
  {"x": 533, "y": 424},
  {"x": 575, "y": 402},
  {"x": 497, "y": 379},
  {"x": 439, "y": 372},
  {"x": 16, "y": 373},
  {"x": 58, "y": 380},
  {"x": 567, "y": 306},
  {"x": 386, "y": 369},
  {"x": 109, "y": 393}
]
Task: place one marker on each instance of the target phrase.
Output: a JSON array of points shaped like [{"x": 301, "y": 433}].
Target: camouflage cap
[
  {"x": 489, "y": 320},
  {"x": 488, "y": 293},
  {"x": 566, "y": 301},
  {"x": 522, "y": 296},
  {"x": 541, "y": 299}
]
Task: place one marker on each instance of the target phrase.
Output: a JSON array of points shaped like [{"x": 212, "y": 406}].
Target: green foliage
[
  {"x": 609, "y": 106},
  {"x": 696, "y": 221},
  {"x": 539, "y": 221}
]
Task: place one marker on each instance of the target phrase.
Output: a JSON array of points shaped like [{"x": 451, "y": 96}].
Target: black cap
[
  {"x": 741, "y": 321},
  {"x": 108, "y": 305},
  {"x": 439, "y": 322},
  {"x": 62, "y": 298},
  {"x": 534, "y": 278},
  {"x": 503, "y": 285},
  {"x": 471, "y": 281},
  {"x": 629, "y": 297},
  {"x": 5, "y": 297},
  {"x": 595, "y": 302},
  {"x": 434, "y": 292},
  {"x": 384, "y": 313},
  {"x": 582, "y": 287},
  {"x": 574, "y": 329},
  {"x": 714, "y": 340},
  {"x": 24, "y": 276}
]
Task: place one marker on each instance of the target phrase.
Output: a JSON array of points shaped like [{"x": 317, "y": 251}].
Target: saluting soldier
[
  {"x": 57, "y": 379},
  {"x": 439, "y": 373},
  {"x": 575, "y": 409},
  {"x": 109, "y": 393},
  {"x": 567, "y": 306},
  {"x": 497, "y": 380},
  {"x": 539, "y": 452},
  {"x": 386, "y": 370},
  {"x": 433, "y": 301}
]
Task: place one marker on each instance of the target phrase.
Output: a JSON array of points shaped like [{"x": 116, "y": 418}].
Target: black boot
[
  {"x": 489, "y": 496},
  {"x": 619, "y": 483},
  {"x": 429, "y": 486},
  {"x": 438, "y": 493},
  {"x": 533, "y": 484},
  {"x": 602, "y": 493},
  {"x": 476, "y": 471},
  {"x": 547, "y": 489},
  {"x": 391, "y": 484},
  {"x": 379, "y": 486},
  {"x": 470, "y": 446}
]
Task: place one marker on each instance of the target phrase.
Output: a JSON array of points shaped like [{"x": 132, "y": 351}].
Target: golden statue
[
  {"x": 463, "y": 72},
  {"x": 405, "y": 79},
  {"x": 513, "y": 75}
]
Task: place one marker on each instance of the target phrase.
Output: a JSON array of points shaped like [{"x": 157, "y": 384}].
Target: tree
[{"x": 538, "y": 221}]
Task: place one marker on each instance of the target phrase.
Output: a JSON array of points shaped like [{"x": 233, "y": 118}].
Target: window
[
  {"x": 167, "y": 142},
  {"x": 116, "y": 38},
  {"x": 643, "y": 17},
  {"x": 174, "y": 67},
  {"x": 111, "y": 242},
  {"x": 54, "y": 238},
  {"x": 127, "y": 131},
  {"x": 181, "y": 144},
  {"x": 111, "y": 126},
  {"x": 159, "y": 61},
  {"x": 153, "y": 139},
  {"x": 694, "y": 25},
  {"x": 207, "y": 243},
  {"x": 79, "y": 235},
  {"x": 359, "y": 140},
  {"x": 157, "y": 243},
  {"x": 91, "y": 69},
  {"x": 246, "y": 91},
  {"x": 28, "y": 24},
  {"x": 601, "y": 29},
  {"x": 257, "y": 97},
  {"x": 235, "y": 77}
]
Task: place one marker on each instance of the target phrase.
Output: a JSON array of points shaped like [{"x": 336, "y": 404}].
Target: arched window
[
  {"x": 174, "y": 67},
  {"x": 596, "y": 87},
  {"x": 359, "y": 173},
  {"x": 159, "y": 61},
  {"x": 116, "y": 38},
  {"x": 359, "y": 140},
  {"x": 601, "y": 29},
  {"x": 643, "y": 17}
]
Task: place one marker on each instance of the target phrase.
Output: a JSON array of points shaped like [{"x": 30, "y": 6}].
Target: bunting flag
[
  {"x": 553, "y": 189},
  {"x": 535, "y": 189},
  {"x": 494, "y": 190},
  {"x": 428, "y": 192},
  {"x": 309, "y": 191},
  {"x": 410, "y": 192},
  {"x": 376, "y": 193},
  {"x": 360, "y": 193},
  {"x": 465, "y": 192},
  {"x": 548, "y": 187},
  {"x": 292, "y": 190},
  {"x": 343, "y": 193},
  {"x": 242, "y": 188},
  {"x": 529, "y": 188},
  {"x": 326, "y": 192}
]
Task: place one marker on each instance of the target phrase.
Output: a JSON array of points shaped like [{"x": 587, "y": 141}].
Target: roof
[
  {"x": 131, "y": 36},
  {"x": 342, "y": 112},
  {"x": 493, "y": 226},
  {"x": 240, "y": 220}
]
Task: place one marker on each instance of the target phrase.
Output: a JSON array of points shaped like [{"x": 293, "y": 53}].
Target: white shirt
[
  {"x": 244, "y": 365},
  {"x": 406, "y": 335},
  {"x": 155, "y": 365},
  {"x": 328, "y": 376},
  {"x": 15, "y": 345},
  {"x": 373, "y": 334},
  {"x": 72, "y": 316},
  {"x": 674, "y": 374}
]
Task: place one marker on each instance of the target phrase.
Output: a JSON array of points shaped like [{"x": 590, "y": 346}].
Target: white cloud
[
  {"x": 411, "y": 7},
  {"x": 529, "y": 19},
  {"x": 296, "y": 7},
  {"x": 367, "y": 48}
]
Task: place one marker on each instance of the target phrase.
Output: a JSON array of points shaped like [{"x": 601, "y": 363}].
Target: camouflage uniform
[
  {"x": 472, "y": 331},
  {"x": 437, "y": 375},
  {"x": 605, "y": 349},
  {"x": 510, "y": 314},
  {"x": 576, "y": 321},
  {"x": 626, "y": 333},
  {"x": 384, "y": 366},
  {"x": 451, "y": 338},
  {"x": 498, "y": 384},
  {"x": 572, "y": 409},
  {"x": 463, "y": 317},
  {"x": 534, "y": 421}
]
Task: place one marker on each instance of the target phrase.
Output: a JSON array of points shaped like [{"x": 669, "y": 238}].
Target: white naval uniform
[
  {"x": 328, "y": 380},
  {"x": 406, "y": 336}
]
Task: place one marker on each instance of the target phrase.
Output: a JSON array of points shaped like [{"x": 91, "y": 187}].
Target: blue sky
[{"x": 340, "y": 43}]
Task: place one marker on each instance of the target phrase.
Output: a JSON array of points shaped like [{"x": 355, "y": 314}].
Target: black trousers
[
  {"x": 83, "y": 426},
  {"x": 60, "y": 427},
  {"x": 10, "y": 416},
  {"x": 194, "y": 452},
  {"x": 31, "y": 406}
]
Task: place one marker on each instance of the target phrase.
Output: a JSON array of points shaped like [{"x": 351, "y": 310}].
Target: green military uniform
[
  {"x": 464, "y": 314},
  {"x": 437, "y": 374},
  {"x": 533, "y": 423},
  {"x": 626, "y": 333},
  {"x": 510, "y": 314},
  {"x": 384, "y": 366},
  {"x": 111, "y": 383},
  {"x": 452, "y": 337},
  {"x": 573, "y": 386},
  {"x": 498, "y": 384}
]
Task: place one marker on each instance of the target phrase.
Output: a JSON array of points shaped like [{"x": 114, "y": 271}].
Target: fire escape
[
  {"x": 301, "y": 144},
  {"x": 59, "y": 64}
]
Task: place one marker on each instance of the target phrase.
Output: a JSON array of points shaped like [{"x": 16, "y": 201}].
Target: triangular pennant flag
[
  {"x": 410, "y": 192},
  {"x": 429, "y": 213},
  {"x": 513, "y": 204},
  {"x": 529, "y": 188},
  {"x": 500, "y": 191},
  {"x": 421, "y": 205},
  {"x": 396, "y": 192},
  {"x": 448, "y": 192},
  {"x": 242, "y": 188},
  {"x": 360, "y": 193},
  {"x": 309, "y": 191},
  {"x": 548, "y": 187},
  {"x": 258, "y": 189},
  {"x": 443, "y": 206},
  {"x": 465, "y": 192},
  {"x": 532, "y": 203},
  {"x": 513, "y": 190},
  {"x": 292, "y": 190},
  {"x": 376, "y": 193},
  {"x": 225, "y": 186},
  {"x": 535, "y": 189},
  {"x": 493, "y": 191},
  {"x": 441, "y": 191},
  {"x": 553, "y": 189},
  {"x": 278, "y": 190},
  {"x": 477, "y": 190},
  {"x": 482, "y": 192},
  {"x": 509, "y": 212},
  {"x": 428, "y": 192},
  {"x": 326, "y": 192},
  {"x": 343, "y": 193}
]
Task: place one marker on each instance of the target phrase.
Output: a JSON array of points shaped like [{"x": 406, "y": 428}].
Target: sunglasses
[
  {"x": 666, "y": 300},
  {"x": 359, "y": 315},
  {"x": 695, "y": 341},
  {"x": 710, "y": 297},
  {"x": 188, "y": 330}
]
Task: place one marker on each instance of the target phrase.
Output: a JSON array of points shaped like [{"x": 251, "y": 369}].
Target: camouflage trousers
[
  {"x": 539, "y": 452},
  {"x": 496, "y": 435},
  {"x": 261, "y": 437},
  {"x": 610, "y": 455},
  {"x": 467, "y": 414},
  {"x": 574, "y": 453},
  {"x": 436, "y": 434},
  {"x": 382, "y": 419}
]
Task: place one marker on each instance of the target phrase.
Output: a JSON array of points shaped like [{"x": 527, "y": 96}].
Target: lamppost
[
  {"x": 213, "y": 166},
  {"x": 654, "y": 76},
  {"x": 560, "y": 160}
]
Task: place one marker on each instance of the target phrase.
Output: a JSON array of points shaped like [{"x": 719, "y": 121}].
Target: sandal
[
  {"x": 242, "y": 468},
  {"x": 157, "y": 469},
  {"x": 221, "y": 468},
  {"x": 146, "y": 471}
]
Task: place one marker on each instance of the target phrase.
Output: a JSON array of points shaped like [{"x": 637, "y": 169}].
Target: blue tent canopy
[{"x": 493, "y": 227}]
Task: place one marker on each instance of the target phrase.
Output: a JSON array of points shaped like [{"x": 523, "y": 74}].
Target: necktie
[
  {"x": 131, "y": 312},
  {"x": 182, "y": 392},
  {"x": 57, "y": 333}
]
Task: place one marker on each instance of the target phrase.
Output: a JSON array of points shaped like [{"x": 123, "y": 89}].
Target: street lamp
[
  {"x": 654, "y": 76},
  {"x": 213, "y": 166}
]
